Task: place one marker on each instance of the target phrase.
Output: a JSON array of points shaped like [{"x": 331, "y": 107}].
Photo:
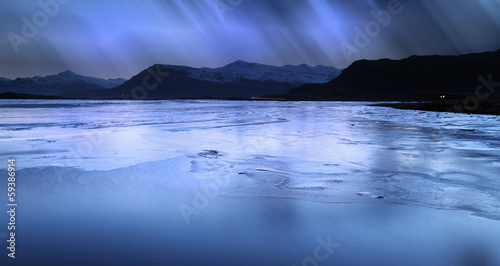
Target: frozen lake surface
[{"x": 251, "y": 183}]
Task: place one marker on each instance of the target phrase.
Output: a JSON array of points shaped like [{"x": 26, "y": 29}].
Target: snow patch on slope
[
  {"x": 68, "y": 77},
  {"x": 241, "y": 70}
]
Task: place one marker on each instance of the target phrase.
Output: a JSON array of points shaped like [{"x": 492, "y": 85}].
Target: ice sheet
[
  {"x": 112, "y": 157},
  {"x": 326, "y": 151}
]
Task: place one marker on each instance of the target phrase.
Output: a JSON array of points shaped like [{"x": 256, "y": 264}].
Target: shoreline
[{"x": 489, "y": 107}]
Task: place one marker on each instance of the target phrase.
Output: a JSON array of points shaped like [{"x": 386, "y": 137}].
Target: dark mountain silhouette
[{"x": 416, "y": 77}]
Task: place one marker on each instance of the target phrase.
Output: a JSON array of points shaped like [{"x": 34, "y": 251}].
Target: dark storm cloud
[{"x": 120, "y": 38}]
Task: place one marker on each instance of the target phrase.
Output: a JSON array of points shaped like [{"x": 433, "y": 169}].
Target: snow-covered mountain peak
[
  {"x": 243, "y": 65},
  {"x": 242, "y": 70},
  {"x": 68, "y": 73},
  {"x": 299, "y": 74},
  {"x": 71, "y": 77}
]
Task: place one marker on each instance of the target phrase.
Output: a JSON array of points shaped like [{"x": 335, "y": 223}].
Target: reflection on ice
[
  {"x": 324, "y": 151},
  {"x": 276, "y": 175}
]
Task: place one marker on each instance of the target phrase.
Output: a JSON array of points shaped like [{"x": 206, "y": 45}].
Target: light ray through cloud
[{"x": 110, "y": 39}]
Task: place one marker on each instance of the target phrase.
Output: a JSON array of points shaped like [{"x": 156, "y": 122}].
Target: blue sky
[{"x": 112, "y": 38}]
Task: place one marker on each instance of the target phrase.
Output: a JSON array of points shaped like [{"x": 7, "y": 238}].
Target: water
[{"x": 251, "y": 183}]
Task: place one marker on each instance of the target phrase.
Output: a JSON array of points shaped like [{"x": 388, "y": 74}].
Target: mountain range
[
  {"x": 239, "y": 79},
  {"x": 65, "y": 84},
  {"x": 412, "y": 78}
]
